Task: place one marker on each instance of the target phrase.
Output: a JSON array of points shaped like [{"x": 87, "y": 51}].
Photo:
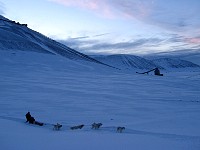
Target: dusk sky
[{"x": 112, "y": 26}]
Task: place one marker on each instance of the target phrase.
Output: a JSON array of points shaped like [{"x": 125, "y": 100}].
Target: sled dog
[
  {"x": 96, "y": 125},
  {"x": 77, "y": 127},
  {"x": 57, "y": 126},
  {"x": 120, "y": 129}
]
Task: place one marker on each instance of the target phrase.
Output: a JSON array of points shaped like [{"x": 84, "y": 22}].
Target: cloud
[
  {"x": 167, "y": 42},
  {"x": 139, "y": 9},
  {"x": 103, "y": 34},
  {"x": 82, "y": 41},
  {"x": 176, "y": 38},
  {"x": 82, "y": 37},
  {"x": 112, "y": 8},
  {"x": 178, "y": 18},
  {"x": 88, "y": 4},
  {"x": 172, "y": 15},
  {"x": 90, "y": 45},
  {"x": 193, "y": 40},
  {"x": 126, "y": 45},
  {"x": 79, "y": 43},
  {"x": 100, "y": 7}
]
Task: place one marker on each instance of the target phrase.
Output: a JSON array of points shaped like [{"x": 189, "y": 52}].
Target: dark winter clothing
[
  {"x": 28, "y": 116},
  {"x": 157, "y": 71},
  {"x": 32, "y": 120}
]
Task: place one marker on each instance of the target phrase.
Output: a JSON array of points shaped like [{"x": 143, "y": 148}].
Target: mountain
[
  {"x": 174, "y": 63},
  {"x": 132, "y": 62},
  {"x": 124, "y": 61},
  {"x": 17, "y": 36},
  {"x": 192, "y": 55}
]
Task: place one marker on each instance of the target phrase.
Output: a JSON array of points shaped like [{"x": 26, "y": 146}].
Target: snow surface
[{"x": 158, "y": 112}]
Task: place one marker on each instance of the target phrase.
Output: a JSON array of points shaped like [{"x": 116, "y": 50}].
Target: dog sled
[{"x": 64, "y": 127}]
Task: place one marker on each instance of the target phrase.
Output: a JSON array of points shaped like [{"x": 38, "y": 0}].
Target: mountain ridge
[
  {"x": 17, "y": 36},
  {"x": 126, "y": 61}
]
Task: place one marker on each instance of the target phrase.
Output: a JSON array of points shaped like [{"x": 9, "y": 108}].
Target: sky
[{"x": 112, "y": 26}]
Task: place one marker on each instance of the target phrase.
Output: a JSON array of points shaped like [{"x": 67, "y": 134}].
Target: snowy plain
[{"x": 157, "y": 112}]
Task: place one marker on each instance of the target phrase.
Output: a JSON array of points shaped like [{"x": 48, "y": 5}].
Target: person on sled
[
  {"x": 31, "y": 120},
  {"x": 157, "y": 71}
]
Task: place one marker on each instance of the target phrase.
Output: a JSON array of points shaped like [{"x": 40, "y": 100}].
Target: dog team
[{"x": 57, "y": 126}]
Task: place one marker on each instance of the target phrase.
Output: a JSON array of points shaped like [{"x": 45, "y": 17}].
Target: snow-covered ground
[{"x": 157, "y": 112}]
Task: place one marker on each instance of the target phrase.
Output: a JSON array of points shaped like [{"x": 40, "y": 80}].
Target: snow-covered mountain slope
[
  {"x": 192, "y": 55},
  {"x": 16, "y": 36},
  {"x": 168, "y": 63},
  {"x": 124, "y": 61},
  {"x": 157, "y": 112},
  {"x": 132, "y": 62}
]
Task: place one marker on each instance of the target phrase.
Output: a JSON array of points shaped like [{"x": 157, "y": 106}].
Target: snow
[
  {"x": 157, "y": 112},
  {"x": 132, "y": 63},
  {"x": 126, "y": 62},
  {"x": 170, "y": 63}
]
